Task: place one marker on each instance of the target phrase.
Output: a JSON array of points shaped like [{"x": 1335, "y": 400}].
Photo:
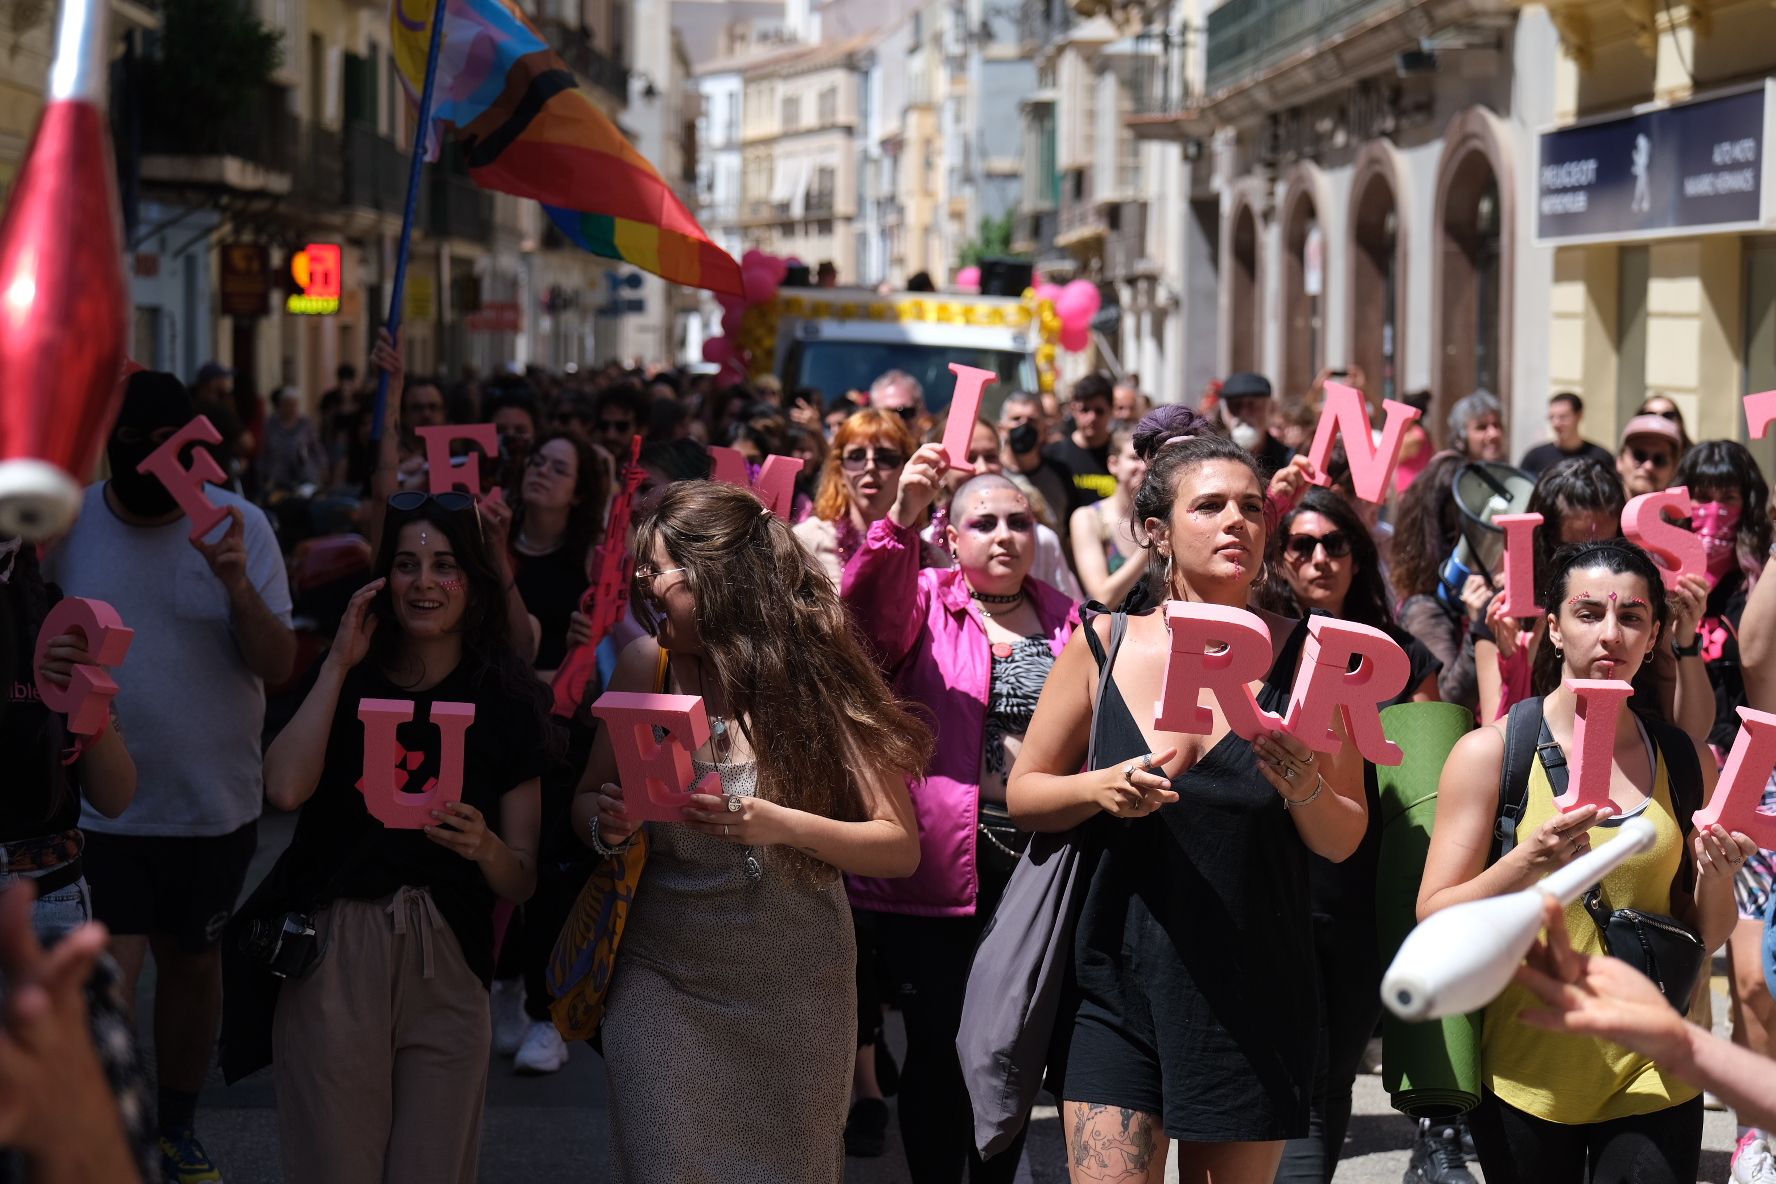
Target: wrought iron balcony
[
  {"x": 253, "y": 149},
  {"x": 590, "y": 64},
  {"x": 1247, "y": 37}
]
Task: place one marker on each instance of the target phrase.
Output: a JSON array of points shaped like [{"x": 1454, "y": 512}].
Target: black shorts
[{"x": 169, "y": 886}]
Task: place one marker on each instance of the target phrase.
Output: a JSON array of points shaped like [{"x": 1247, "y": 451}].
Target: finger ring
[
  {"x": 1128, "y": 772},
  {"x": 733, "y": 803},
  {"x": 1288, "y": 772},
  {"x": 1147, "y": 762}
]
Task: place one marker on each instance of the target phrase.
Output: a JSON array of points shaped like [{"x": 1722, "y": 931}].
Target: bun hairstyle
[
  {"x": 1617, "y": 556},
  {"x": 1172, "y": 439}
]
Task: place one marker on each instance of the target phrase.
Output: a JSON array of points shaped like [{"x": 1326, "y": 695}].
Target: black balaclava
[{"x": 151, "y": 401}]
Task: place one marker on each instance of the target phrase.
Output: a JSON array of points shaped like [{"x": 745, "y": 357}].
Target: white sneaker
[
  {"x": 543, "y": 1050},
  {"x": 509, "y": 1020},
  {"x": 1753, "y": 1162}
]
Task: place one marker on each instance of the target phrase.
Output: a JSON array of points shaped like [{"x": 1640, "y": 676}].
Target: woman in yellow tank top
[{"x": 1558, "y": 1108}]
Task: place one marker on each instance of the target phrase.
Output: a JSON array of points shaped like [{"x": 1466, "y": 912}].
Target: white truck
[{"x": 835, "y": 340}]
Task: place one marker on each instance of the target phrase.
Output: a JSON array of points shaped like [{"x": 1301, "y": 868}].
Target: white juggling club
[{"x": 1458, "y": 960}]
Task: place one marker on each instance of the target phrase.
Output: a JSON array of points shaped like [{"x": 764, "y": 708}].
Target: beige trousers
[{"x": 380, "y": 1053}]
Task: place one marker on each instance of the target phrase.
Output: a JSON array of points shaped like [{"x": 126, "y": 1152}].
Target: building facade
[{"x": 1653, "y": 205}]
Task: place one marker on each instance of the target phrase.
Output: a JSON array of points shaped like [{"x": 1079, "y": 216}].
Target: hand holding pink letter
[
  {"x": 85, "y": 697},
  {"x": 1740, "y": 792},
  {"x": 656, "y": 775},
  {"x": 1196, "y": 629},
  {"x": 971, "y": 384},
  {"x": 1372, "y": 466},
  {"x": 440, "y": 473},
  {"x": 187, "y": 484},
  {"x": 1326, "y": 684},
  {"x": 1678, "y": 551},
  {"x": 1519, "y": 563},
  {"x": 387, "y": 765}
]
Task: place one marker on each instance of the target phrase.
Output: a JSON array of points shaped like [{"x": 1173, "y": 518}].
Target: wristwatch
[{"x": 1687, "y": 651}]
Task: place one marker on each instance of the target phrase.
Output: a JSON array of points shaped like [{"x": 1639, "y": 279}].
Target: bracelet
[
  {"x": 1291, "y": 803},
  {"x": 604, "y": 848}
]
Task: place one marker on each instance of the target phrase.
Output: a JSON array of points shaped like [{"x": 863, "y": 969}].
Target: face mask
[
  {"x": 1246, "y": 435},
  {"x": 1023, "y": 438},
  {"x": 1718, "y": 526}
]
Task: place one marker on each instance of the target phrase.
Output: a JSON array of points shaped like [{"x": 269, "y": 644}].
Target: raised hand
[
  {"x": 356, "y": 627},
  {"x": 227, "y": 556}
]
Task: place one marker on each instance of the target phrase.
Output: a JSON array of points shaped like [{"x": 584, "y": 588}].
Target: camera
[{"x": 286, "y": 946}]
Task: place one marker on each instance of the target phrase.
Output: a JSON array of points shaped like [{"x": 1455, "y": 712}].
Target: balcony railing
[
  {"x": 262, "y": 131},
  {"x": 592, "y": 65},
  {"x": 320, "y": 168},
  {"x": 460, "y": 209},
  {"x": 376, "y": 172},
  {"x": 1159, "y": 74},
  {"x": 1246, "y": 37}
]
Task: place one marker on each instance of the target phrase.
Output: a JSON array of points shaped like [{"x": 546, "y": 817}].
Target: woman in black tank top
[{"x": 1197, "y": 1015}]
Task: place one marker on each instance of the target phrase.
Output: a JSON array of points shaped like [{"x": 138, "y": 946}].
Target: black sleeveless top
[{"x": 1196, "y": 933}]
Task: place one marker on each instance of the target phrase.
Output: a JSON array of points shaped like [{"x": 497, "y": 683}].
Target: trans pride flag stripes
[{"x": 526, "y": 128}]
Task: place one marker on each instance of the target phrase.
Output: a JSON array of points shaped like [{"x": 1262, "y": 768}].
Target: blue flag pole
[{"x": 415, "y": 166}]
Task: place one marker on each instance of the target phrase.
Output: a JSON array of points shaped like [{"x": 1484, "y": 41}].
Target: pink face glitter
[{"x": 452, "y": 585}]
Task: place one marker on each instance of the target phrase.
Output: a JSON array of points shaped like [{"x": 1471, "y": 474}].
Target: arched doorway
[
  {"x": 1377, "y": 278},
  {"x": 1474, "y": 229},
  {"x": 1304, "y": 284},
  {"x": 1244, "y": 321}
]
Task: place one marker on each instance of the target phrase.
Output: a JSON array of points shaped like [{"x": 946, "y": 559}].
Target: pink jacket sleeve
[{"x": 883, "y": 590}]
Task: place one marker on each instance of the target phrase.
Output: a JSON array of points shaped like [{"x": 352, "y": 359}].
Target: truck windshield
[{"x": 834, "y": 367}]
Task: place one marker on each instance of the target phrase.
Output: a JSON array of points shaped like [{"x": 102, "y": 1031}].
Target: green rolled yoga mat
[{"x": 1432, "y": 1069}]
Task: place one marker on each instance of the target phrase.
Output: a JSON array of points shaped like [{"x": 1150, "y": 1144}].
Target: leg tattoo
[{"x": 1112, "y": 1143}]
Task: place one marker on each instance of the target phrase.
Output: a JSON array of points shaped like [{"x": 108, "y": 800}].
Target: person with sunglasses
[
  {"x": 1084, "y": 453},
  {"x": 1050, "y": 565},
  {"x": 1665, "y": 408},
  {"x": 971, "y": 644},
  {"x": 557, "y": 519},
  {"x": 618, "y": 413},
  {"x": 857, "y": 487},
  {"x": 901, "y": 393},
  {"x": 734, "y": 981},
  {"x": 1326, "y": 562},
  {"x": 380, "y": 1046},
  {"x": 1647, "y": 460}
]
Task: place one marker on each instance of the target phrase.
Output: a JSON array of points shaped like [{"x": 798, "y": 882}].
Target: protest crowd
[{"x": 610, "y": 737}]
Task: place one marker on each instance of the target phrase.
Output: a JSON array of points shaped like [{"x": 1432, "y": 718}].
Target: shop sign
[
  {"x": 318, "y": 270},
  {"x": 1699, "y": 167},
  {"x": 244, "y": 279},
  {"x": 495, "y": 316}
]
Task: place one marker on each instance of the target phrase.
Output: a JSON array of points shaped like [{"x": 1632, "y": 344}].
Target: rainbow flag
[{"x": 527, "y": 129}]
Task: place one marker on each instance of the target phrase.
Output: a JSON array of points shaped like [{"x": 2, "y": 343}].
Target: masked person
[
  {"x": 1246, "y": 405},
  {"x": 211, "y": 620}
]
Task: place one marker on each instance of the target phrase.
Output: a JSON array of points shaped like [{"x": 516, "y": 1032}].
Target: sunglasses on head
[
  {"x": 856, "y": 460},
  {"x": 1674, "y": 415},
  {"x": 452, "y": 501},
  {"x": 1657, "y": 459},
  {"x": 1301, "y": 547}
]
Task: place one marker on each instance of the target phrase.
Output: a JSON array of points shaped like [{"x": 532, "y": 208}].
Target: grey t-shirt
[{"x": 189, "y": 709}]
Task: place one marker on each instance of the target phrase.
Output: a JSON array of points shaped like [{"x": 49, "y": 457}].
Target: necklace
[{"x": 989, "y": 598}]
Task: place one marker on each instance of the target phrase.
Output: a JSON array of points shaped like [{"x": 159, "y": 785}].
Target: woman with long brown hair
[
  {"x": 734, "y": 981},
  {"x": 858, "y": 484},
  {"x": 1425, "y": 535}
]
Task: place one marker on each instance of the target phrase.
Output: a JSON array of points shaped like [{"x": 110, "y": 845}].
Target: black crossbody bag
[{"x": 1663, "y": 948}]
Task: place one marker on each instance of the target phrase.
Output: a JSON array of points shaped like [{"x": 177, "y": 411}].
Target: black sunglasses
[
  {"x": 1301, "y": 547},
  {"x": 452, "y": 501},
  {"x": 908, "y": 413},
  {"x": 1658, "y": 460},
  {"x": 616, "y": 425},
  {"x": 856, "y": 460}
]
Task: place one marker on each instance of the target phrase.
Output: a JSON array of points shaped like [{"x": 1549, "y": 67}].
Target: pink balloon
[
  {"x": 731, "y": 322},
  {"x": 1078, "y": 304},
  {"x": 760, "y": 280},
  {"x": 1075, "y": 338},
  {"x": 731, "y": 373},
  {"x": 719, "y": 350},
  {"x": 968, "y": 279},
  {"x": 730, "y": 302},
  {"x": 752, "y": 256},
  {"x": 1048, "y": 291},
  {"x": 779, "y": 267}
]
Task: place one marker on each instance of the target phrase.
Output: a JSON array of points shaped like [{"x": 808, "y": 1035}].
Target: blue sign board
[{"x": 1697, "y": 167}]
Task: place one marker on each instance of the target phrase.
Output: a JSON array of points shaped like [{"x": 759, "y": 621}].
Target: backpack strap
[
  {"x": 1683, "y": 776},
  {"x": 1523, "y": 733},
  {"x": 1118, "y": 629}
]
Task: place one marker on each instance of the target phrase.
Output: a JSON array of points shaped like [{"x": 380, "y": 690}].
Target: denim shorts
[{"x": 60, "y": 912}]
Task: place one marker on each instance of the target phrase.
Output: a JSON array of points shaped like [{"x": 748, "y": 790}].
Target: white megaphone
[
  {"x": 1458, "y": 960},
  {"x": 1482, "y": 490}
]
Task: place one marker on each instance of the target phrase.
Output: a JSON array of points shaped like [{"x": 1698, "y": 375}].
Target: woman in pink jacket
[{"x": 972, "y": 644}]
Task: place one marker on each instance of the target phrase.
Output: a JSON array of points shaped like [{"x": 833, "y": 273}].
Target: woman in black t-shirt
[
  {"x": 556, "y": 519},
  {"x": 380, "y": 1048}
]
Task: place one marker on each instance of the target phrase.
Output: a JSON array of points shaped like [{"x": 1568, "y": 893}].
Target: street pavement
[{"x": 555, "y": 1128}]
